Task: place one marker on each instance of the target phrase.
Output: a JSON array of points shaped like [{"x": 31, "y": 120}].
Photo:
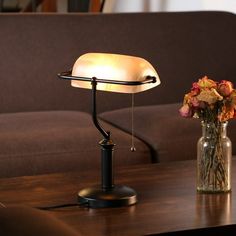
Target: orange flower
[
  {"x": 210, "y": 96},
  {"x": 210, "y": 101},
  {"x": 233, "y": 99},
  {"x": 206, "y": 83},
  {"x": 226, "y": 113},
  {"x": 225, "y": 88}
]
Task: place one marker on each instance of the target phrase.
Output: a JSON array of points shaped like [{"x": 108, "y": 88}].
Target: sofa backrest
[{"x": 181, "y": 46}]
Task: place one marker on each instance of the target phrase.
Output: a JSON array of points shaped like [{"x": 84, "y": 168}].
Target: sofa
[{"x": 45, "y": 124}]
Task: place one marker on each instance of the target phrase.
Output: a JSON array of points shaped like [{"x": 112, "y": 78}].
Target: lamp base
[{"x": 118, "y": 196}]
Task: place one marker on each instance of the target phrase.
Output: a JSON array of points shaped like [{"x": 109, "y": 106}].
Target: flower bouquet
[{"x": 214, "y": 103}]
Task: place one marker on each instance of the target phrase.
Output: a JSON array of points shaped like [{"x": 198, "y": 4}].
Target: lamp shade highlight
[{"x": 114, "y": 68}]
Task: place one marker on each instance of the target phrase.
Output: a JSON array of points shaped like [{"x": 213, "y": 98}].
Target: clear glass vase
[{"x": 214, "y": 154}]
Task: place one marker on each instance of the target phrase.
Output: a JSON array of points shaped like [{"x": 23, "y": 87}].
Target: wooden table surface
[{"x": 166, "y": 192}]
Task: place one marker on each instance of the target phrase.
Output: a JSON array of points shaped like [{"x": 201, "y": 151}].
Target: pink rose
[
  {"x": 195, "y": 89},
  {"x": 225, "y": 88},
  {"x": 186, "y": 111},
  {"x": 195, "y": 102}
]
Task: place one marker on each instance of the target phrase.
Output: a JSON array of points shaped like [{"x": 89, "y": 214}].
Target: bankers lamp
[{"x": 114, "y": 73}]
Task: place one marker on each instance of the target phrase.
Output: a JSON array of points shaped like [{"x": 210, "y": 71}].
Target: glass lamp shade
[{"x": 114, "y": 67}]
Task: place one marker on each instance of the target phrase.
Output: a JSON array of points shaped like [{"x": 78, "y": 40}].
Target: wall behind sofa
[
  {"x": 181, "y": 46},
  {"x": 168, "y": 5}
]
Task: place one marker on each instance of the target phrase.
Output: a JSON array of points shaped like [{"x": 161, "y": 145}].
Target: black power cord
[{"x": 47, "y": 208}]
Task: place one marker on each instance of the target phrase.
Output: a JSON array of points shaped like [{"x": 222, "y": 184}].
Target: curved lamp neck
[{"x": 104, "y": 133}]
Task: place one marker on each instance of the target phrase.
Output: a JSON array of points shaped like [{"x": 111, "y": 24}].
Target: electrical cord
[{"x": 47, "y": 208}]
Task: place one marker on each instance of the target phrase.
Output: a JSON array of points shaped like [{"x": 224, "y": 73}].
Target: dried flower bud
[
  {"x": 206, "y": 83},
  {"x": 186, "y": 111},
  {"x": 209, "y": 96},
  {"x": 225, "y": 88}
]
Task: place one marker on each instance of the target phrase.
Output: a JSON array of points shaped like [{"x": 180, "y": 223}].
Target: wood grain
[{"x": 166, "y": 192}]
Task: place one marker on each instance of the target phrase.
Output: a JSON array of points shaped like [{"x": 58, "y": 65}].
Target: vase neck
[{"x": 214, "y": 129}]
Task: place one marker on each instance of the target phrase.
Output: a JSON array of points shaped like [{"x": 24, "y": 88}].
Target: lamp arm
[{"x": 104, "y": 133}]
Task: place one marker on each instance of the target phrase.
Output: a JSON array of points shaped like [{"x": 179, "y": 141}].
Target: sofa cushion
[
  {"x": 53, "y": 141},
  {"x": 171, "y": 136}
]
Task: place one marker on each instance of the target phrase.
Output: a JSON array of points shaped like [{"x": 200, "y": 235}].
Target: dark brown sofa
[{"x": 45, "y": 124}]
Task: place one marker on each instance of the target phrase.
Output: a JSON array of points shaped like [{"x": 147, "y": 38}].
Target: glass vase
[{"x": 214, "y": 154}]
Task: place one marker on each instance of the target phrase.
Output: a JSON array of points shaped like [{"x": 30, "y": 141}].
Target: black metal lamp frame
[{"x": 108, "y": 194}]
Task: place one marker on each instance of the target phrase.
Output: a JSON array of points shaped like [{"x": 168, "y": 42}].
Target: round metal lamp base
[{"x": 116, "y": 197}]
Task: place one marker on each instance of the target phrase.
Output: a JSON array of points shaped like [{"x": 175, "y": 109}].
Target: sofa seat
[
  {"x": 171, "y": 137},
  {"x": 54, "y": 141}
]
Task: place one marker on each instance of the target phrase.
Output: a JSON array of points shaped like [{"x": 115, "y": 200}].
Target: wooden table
[{"x": 166, "y": 192}]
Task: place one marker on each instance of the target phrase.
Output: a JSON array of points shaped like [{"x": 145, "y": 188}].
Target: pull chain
[{"x": 133, "y": 149}]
